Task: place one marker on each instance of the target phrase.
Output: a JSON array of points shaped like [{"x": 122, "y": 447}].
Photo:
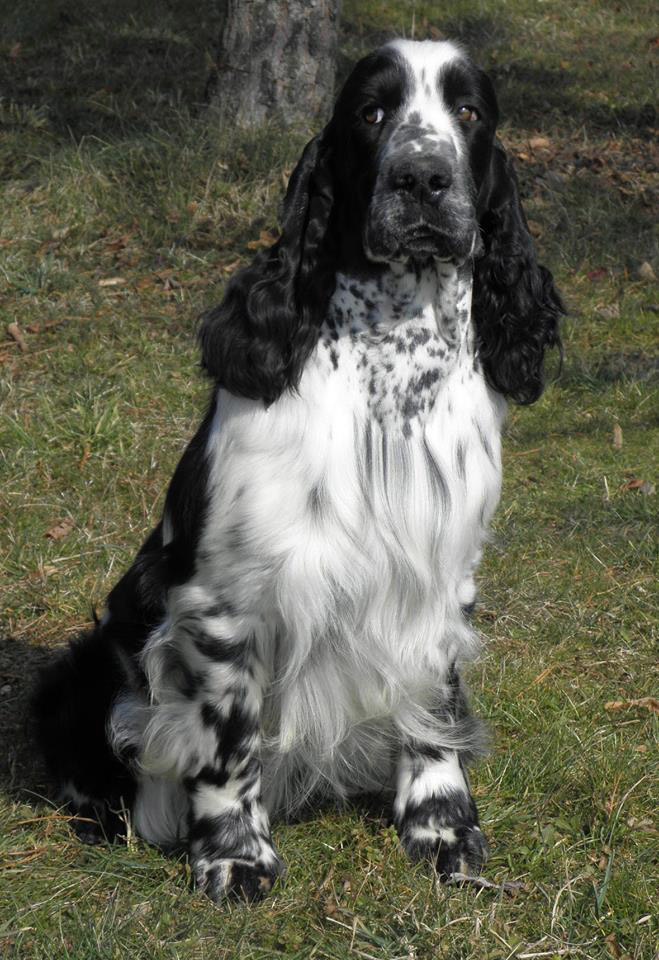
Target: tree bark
[{"x": 277, "y": 61}]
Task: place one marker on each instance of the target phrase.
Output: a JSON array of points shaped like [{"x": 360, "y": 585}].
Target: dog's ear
[
  {"x": 255, "y": 343},
  {"x": 516, "y": 306}
]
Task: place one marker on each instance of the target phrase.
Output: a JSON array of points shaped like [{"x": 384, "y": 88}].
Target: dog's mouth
[
  {"x": 422, "y": 241},
  {"x": 425, "y": 239}
]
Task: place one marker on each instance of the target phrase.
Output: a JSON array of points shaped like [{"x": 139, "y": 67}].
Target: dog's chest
[
  {"x": 363, "y": 497},
  {"x": 392, "y": 345}
]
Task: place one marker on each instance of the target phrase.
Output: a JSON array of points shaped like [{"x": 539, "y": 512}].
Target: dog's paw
[
  {"x": 458, "y": 849},
  {"x": 466, "y": 854},
  {"x": 249, "y": 880}
]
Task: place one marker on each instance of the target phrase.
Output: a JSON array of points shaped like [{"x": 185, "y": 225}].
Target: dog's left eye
[
  {"x": 373, "y": 114},
  {"x": 468, "y": 114}
]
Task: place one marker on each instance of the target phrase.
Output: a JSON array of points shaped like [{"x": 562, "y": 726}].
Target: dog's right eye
[{"x": 373, "y": 114}]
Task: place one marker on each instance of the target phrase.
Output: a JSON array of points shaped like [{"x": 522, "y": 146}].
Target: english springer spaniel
[{"x": 295, "y": 625}]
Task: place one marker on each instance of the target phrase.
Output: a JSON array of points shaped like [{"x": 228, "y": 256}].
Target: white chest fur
[{"x": 347, "y": 518}]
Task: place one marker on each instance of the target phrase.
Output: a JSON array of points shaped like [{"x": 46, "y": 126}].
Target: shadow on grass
[
  {"x": 536, "y": 92},
  {"x": 22, "y": 775},
  {"x": 105, "y": 68}
]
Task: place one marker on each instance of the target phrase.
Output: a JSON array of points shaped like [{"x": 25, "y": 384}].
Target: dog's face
[{"x": 412, "y": 134}]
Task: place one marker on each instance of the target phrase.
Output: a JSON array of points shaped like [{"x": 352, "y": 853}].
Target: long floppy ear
[
  {"x": 255, "y": 343},
  {"x": 516, "y": 306}
]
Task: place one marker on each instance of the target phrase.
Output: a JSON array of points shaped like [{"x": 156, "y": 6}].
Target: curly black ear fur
[
  {"x": 516, "y": 306},
  {"x": 255, "y": 343}
]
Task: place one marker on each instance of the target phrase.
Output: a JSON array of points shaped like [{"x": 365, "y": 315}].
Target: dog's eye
[
  {"x": 468, "y": 114},
  {"x": 373, "y": 114}
]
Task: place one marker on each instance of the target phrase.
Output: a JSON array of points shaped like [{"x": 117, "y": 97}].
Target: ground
[{"x": 124, "y": 209}]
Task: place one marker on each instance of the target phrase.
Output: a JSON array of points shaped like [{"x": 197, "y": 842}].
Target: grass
[{"x": 112, "y": 172}]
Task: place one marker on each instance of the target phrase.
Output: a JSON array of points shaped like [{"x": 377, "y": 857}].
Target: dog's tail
[{"x": 71, "y": 705}]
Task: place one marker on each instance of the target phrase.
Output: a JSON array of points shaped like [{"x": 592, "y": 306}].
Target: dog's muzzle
[{"x": 421, "y": 206}]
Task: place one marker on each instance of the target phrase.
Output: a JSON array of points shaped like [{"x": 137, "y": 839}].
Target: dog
[{"x": 295, "y": 625}]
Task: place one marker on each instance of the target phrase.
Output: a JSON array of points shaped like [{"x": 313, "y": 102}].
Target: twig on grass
[{"x": 508, "y": 886}]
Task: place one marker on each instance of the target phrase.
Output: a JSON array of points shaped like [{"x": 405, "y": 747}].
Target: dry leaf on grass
[
  {"x": 111, "y": 282},
  {"x": 265, "y": 240},
  {"x": 539, "y": 143},
  {"x": 648, "y": 703},
  {"x": 634, "y": 483},
  {"x": 16, "y": 335},
  {"x": 230, "y": 267},
  {"x": 617, "y": 436},
  {"x": 612, "y": 946},
  {"x": 645, "y": 826},
  {"x": 646, "y": 272},
  {"x": 60, "y": 530},
  {"x": 596, "y": 274}
]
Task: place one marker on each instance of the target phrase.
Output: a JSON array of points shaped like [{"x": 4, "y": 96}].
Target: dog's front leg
[
  {"x": 230, "y": 847},
  {"x": 434, "y": 812}
]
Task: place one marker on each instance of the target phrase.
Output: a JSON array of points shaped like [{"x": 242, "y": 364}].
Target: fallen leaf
[
  {"x": 33, "y": 328},
  {"x": 16, "y": 335},
  {"x": 645, "y": 826},
  {"x": 265, "y": 240},
  {"x": 330, "y": 907},
  {"x": 632, "y": 484},
  {"x": 539, "y": 143},
  {"x": 535, "y": 228},
  {"x": 230, "y": 267},
  {"x": 85, "y": 457},
  {"x": 647, "y": 488},
  {"x": 60, "y": 530},
  {"x": 610, "y": 312},
  {"x": 612, "y": 946},
  {"x": 119, "y": 242},
  {"x": 648, "y": 703},
  {"x": 596, "y": 274},
  {"x": 646, "y": 272},
  {"x": 617, "y": 436},
  {"x": 111, "y": 282}
]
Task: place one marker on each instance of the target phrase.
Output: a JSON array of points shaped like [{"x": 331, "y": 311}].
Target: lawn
[{"x": 124, "y": 209}]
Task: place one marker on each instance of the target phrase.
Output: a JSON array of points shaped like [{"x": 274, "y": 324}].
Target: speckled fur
[{"x": 401, "y": 334}]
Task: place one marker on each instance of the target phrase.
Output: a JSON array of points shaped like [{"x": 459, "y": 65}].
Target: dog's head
[
  {"x": 413, "y": 131},
  {"x": 407, "y": 170}
]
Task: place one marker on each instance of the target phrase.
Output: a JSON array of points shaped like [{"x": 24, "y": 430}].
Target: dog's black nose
[{"x": 424, "y": 178}]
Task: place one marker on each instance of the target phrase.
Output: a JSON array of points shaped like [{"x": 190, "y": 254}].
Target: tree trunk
[{"x": 277, "y": 61}]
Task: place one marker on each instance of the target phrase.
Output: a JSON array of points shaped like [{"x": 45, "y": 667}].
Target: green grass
[{"x": 112, "y": 171}]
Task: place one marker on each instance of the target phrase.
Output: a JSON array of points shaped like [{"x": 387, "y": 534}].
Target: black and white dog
[{"x": 294, "y": 626}]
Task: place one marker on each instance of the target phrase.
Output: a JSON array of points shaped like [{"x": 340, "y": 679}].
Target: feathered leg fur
[{"x": 434, "y": 812}]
